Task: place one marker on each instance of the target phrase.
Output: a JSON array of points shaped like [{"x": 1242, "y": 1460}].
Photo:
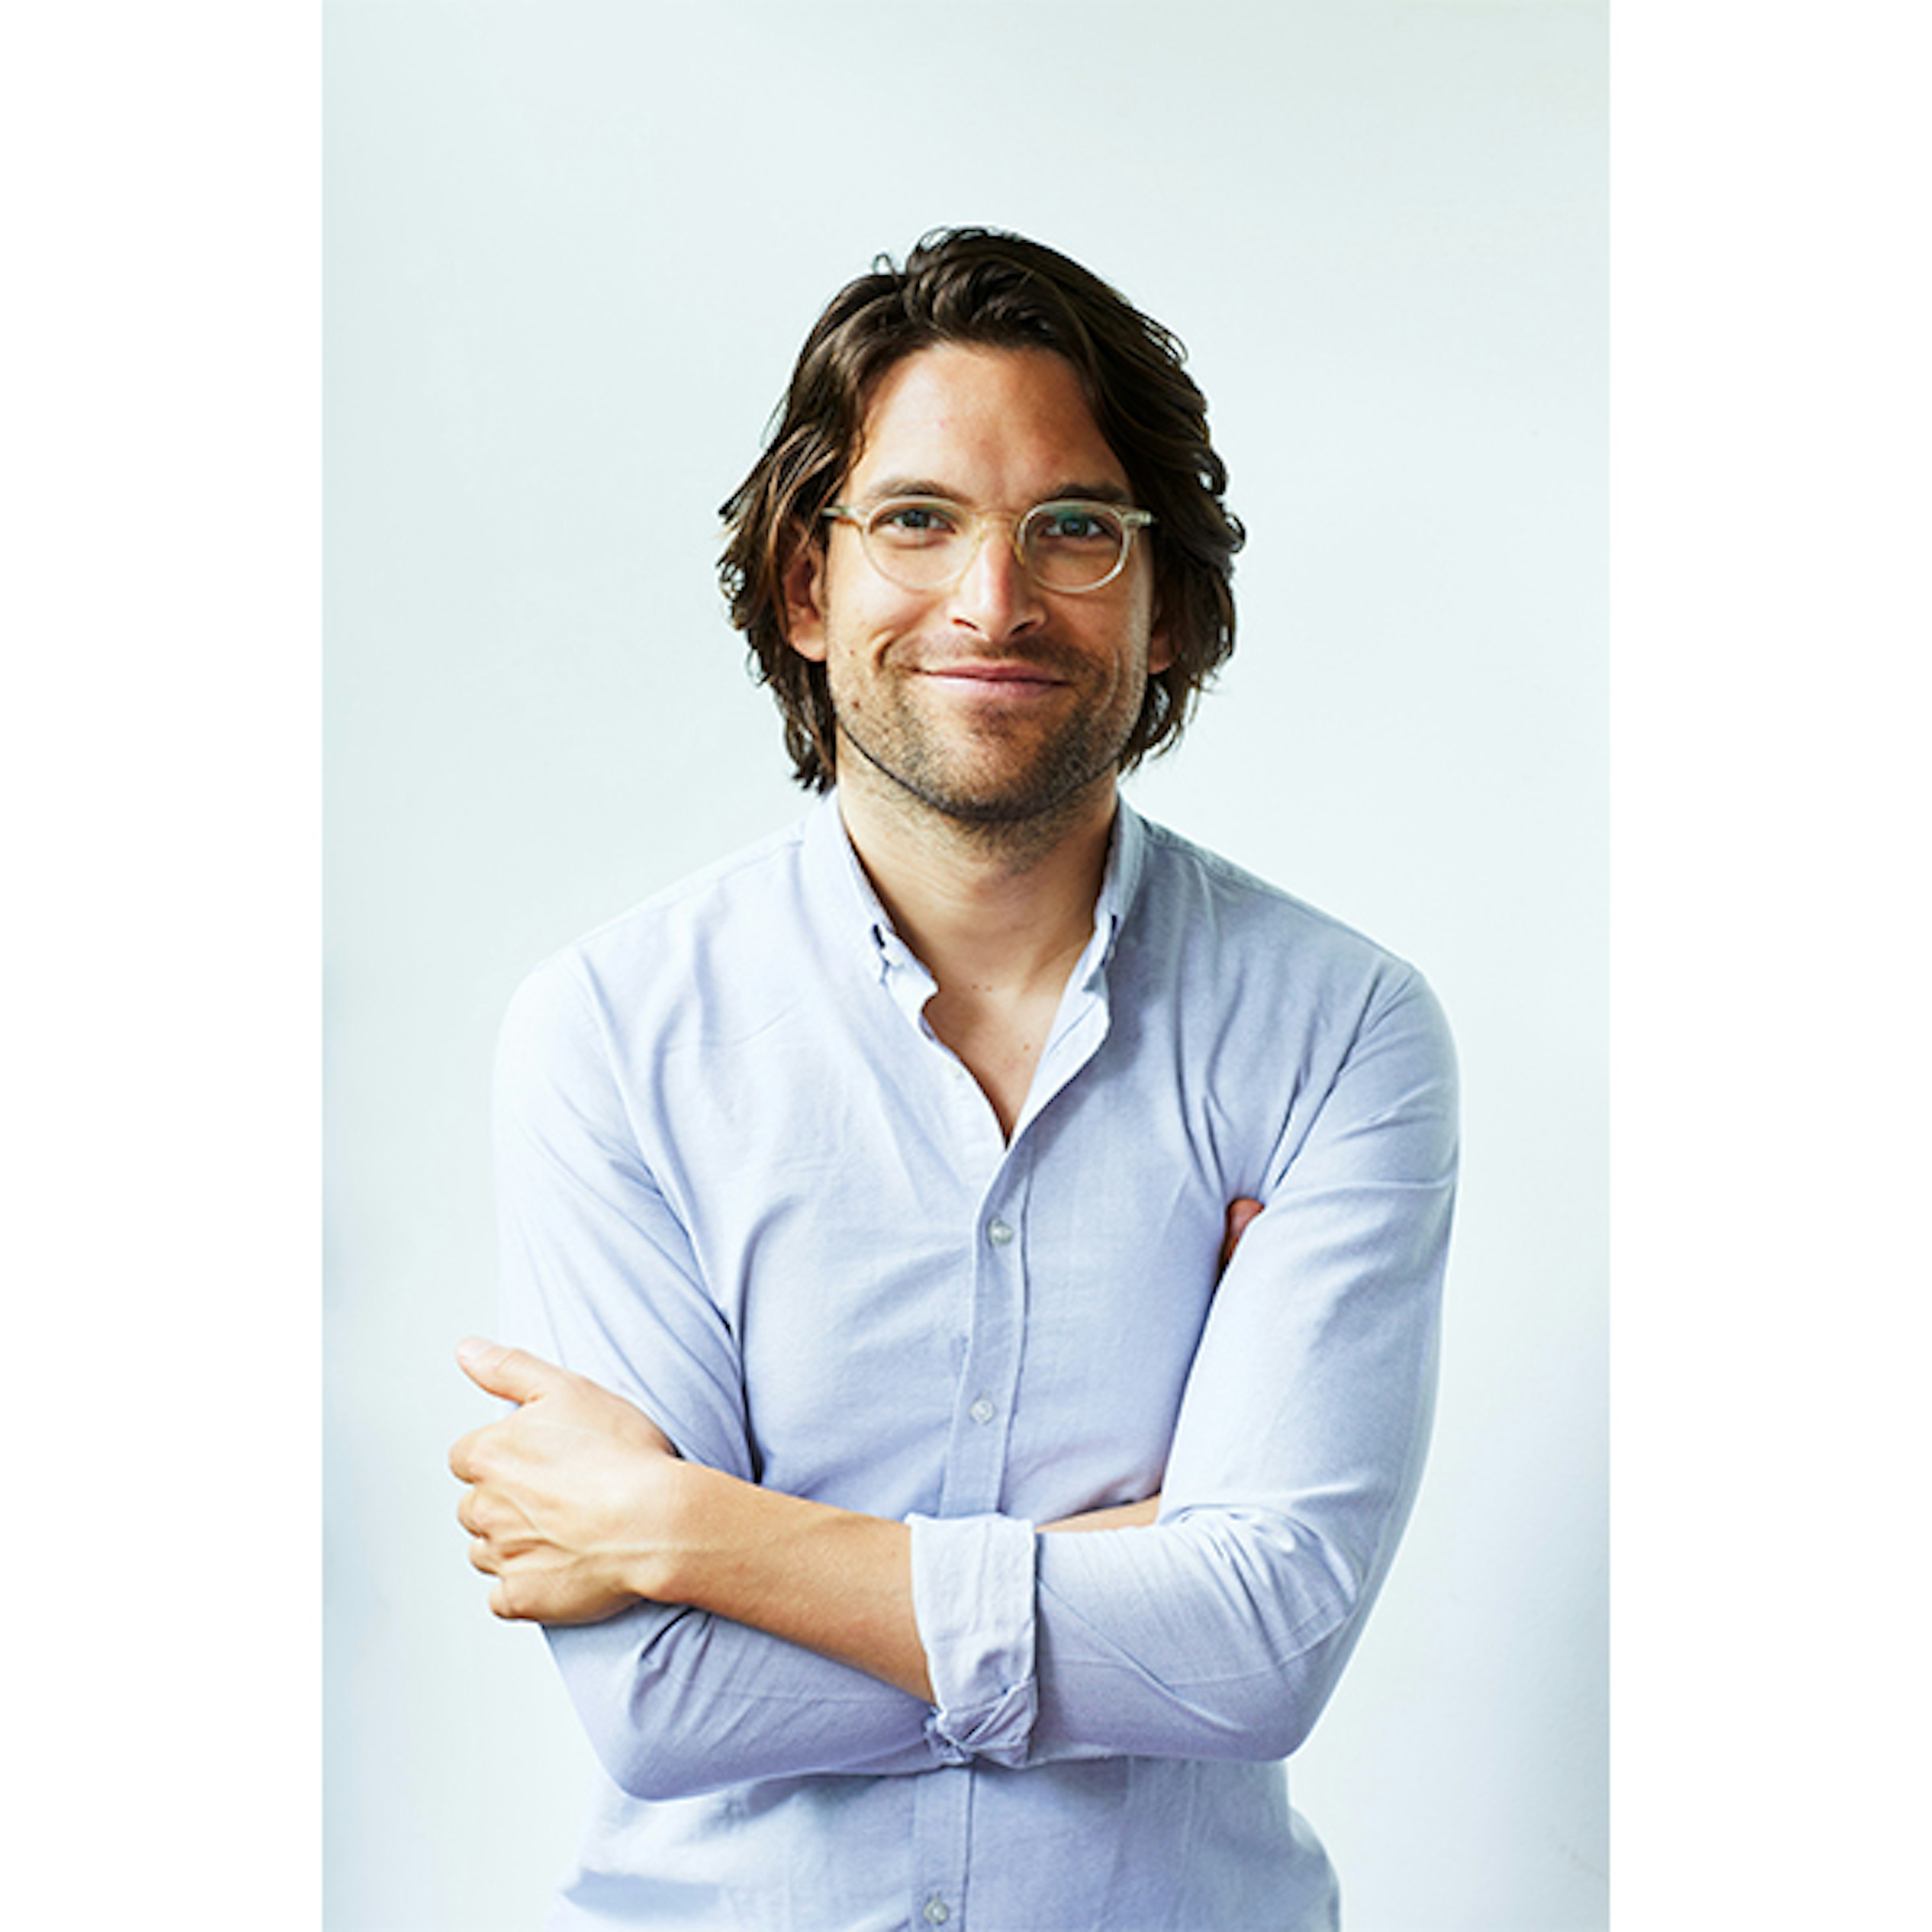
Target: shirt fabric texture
[{"x": 743, "y": 1183}]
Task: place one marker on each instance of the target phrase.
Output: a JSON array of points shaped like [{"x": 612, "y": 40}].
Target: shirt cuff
[{"x": 973, "y": 1600}]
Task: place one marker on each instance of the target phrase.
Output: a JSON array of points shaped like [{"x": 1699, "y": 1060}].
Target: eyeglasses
[{"x": 924, "y": 543}]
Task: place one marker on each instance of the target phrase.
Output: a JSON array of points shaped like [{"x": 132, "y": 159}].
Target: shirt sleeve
[
  {"x": 1221, "y": 1631},
  {"x": 599, "y": 1275}
]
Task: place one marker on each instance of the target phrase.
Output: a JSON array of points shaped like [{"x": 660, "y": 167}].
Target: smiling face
[{"x": 993, "y": 702}]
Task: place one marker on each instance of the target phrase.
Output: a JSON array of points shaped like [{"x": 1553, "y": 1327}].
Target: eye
[
  {"x": 1076, "y": 523},
  {"x": 914, "y": 524}
]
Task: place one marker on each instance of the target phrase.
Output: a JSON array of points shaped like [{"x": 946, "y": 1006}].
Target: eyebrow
[{"x": 1088, "y": 491}]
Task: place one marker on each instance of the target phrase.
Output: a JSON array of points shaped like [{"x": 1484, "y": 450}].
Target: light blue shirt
[{"x": 743, "y": 1184}]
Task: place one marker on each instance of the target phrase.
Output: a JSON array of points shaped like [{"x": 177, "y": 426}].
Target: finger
[
  {"x": 510, "y": 1373},
  {"x": 463, "y": 1457},
  {"x": 483, "y": 1555},
  {"x": 470, "y": 1459},
  {"x": 1239, "y": 1213}
]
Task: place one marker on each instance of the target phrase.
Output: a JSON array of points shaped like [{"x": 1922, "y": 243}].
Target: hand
[
  {"x": 1239, "y": 1213},
  {"x": 1138, "y": 1515},
  {"x": 563, "y": 1492}
]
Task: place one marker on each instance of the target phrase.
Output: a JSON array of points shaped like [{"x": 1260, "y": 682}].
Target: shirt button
[
  {"x": 998, "y": 1233},
  {"x": 936, "y": 1912},
  {"x": 983, "y": 1411}
]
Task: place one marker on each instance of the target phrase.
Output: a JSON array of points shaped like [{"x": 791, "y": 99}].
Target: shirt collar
[
  {"x": 855, "y": 916},
  {"x": 1125, "y": 853},
  {"x": 843, "y": 895}
]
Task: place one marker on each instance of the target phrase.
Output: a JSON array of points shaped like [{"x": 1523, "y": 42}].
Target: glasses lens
[
  {"x": 923, "y": 544},
  {"x": 1073, "y": 546}
]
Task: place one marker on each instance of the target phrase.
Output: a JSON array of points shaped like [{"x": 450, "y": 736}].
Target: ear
[
  {"x": 804, "y": 581},
  {"x": 1160, "y": 651}
]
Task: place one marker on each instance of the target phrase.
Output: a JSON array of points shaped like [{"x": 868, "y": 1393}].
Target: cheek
[{"x": 871, "y": 623}]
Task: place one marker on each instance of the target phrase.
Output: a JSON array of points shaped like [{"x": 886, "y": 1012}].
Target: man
[{"x": 869, "y": 1205}]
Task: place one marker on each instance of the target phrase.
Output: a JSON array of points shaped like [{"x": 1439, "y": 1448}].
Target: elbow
[
  {"x": 1297, "y": 1607},
  {"x": 1263, "y": 1722},
  {"x": 644, "y": 1760},
  {"x": 1288, "y": 1708},
  {"x": 666, "y": 1738},
  {"x": 655, "y": 1761},
  {"x": 1285, "y": 1727},
  {"x": 640, "y": 1715},
  {"x": 642, "y": 1770}
]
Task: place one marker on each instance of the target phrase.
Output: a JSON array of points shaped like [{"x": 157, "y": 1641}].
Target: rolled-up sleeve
[{"x": 973, "y": 1597}]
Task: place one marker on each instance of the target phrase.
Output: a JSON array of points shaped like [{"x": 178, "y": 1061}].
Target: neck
[{"x": 1000, "y": 908}]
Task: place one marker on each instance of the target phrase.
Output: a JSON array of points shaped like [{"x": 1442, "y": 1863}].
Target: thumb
[{"x": 510, "y": 1373}]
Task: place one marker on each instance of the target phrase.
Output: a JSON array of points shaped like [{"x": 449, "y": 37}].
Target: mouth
[{"x": 1005, "y": 678}]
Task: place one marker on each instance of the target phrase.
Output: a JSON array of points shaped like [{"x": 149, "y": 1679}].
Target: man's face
[{"x": 996, "y": 700}]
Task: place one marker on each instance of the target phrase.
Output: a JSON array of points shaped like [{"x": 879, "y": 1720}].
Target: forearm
[
  {"x": 1208, "y": 1638},
  {"x": 830, "y": 1580},
  {"x": 678, "y": 1698},
  {"x": 1121, "y": 1516}
]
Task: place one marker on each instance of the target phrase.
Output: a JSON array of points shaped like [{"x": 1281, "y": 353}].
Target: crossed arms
[
  {"x": 579, "y": 1506},
  {"x": 712, "y": 1630}
]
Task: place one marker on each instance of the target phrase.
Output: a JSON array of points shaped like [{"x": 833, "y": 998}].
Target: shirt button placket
[
  {"x": 1000, "y": 1232},
  {"x": 994, "y": 1341}
]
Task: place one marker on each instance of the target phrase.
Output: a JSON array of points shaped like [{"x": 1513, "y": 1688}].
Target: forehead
[{"x": 985, "y": 424}]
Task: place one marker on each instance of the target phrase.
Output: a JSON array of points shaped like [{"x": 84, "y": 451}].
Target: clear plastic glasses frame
[{"x": 1070, "y": 545}]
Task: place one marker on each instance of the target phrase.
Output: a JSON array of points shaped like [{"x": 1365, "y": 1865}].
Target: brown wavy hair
[{"x": 980, "y": 285}]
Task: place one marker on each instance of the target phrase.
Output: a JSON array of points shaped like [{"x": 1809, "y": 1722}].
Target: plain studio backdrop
[{"x": 570, "y": 251}]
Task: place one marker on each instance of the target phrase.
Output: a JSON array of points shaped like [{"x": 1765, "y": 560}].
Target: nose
[{"x": 997, "y": 596}]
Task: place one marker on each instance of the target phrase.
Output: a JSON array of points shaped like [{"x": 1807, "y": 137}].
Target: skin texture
[
  {"x": 994, "y": 704},
  {"x": 980, "y": 731}
]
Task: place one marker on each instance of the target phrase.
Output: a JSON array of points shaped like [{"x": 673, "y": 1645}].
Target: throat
[
  {"x": 999, "y": 1040},
  {"x": 1000, "y": 938}
]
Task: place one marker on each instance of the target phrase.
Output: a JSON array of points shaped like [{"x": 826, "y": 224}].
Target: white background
[
  {"x": 159, "y": 769},
  {"x": 570, "y": 254}
]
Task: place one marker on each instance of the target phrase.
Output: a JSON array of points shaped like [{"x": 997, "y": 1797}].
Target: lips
[{"x": 1006, "y": 674}]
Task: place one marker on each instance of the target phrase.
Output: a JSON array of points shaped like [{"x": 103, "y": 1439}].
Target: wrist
[
  {"x": 656, "y": 1509},
  {"x": 693, "y": 1517}
]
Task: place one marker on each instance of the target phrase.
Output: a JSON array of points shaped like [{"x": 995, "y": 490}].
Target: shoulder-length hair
[{"x": 980, "y": 286}]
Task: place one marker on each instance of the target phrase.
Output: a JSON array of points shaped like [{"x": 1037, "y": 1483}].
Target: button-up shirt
[{"x": 743, "y": 1184}]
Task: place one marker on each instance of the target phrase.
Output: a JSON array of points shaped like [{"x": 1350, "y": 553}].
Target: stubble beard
[{"x": 988, "y": 788}]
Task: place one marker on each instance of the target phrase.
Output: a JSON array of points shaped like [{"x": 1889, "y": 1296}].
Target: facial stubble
[{"x": 979, "y": 776}]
